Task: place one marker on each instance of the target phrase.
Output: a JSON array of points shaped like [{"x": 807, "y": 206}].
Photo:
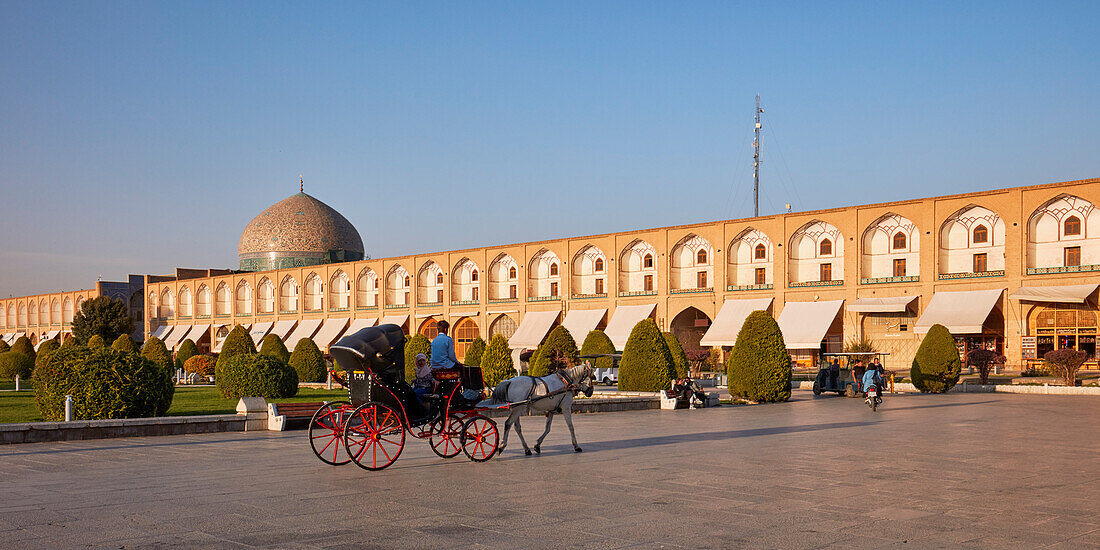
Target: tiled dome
[{"x": 298, "y": 231}]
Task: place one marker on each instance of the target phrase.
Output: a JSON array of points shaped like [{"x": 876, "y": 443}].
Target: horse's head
[{"x": 582, "y": 379}]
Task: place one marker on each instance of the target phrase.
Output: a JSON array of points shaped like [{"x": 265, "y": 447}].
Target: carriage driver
[{"x": 443, "y": 349}]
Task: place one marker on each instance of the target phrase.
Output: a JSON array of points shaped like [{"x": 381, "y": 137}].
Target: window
[
  {"x": 647, "y": 261},
  {"x": 979, "y": 263},
  {"x": 826, "y": 248},
  {"x": 599, "y": 286},
  {"x": 981, "y": 234},
  {"x": 899, "y": 240},
  {"x": 473, "y": 276},
  {"x": 701, "y": 257},
  {"x": 1072, "y": 226},
  {"x": 826, "y": 272},
  {"x": 512, "y": 294},
  {"x": 1073, "y": 255},
  {"x": 553, "y": 289},
  {"x": 760, "y": 253},
  {"x": 439, "y": 296},
  {"x": 761, "y": 276},
  {"x": 406, "y": 280},
  {"x": 599, "y": 265},
  {"x": 899, "y": 267},
  {"x": 648, "y": 283},
  {"x": 439, "y": 278},
  {"x": 701, "y": 279},
  {"x": 554, "y": 270},
  {"x": 512, "y": 272},
  {"x": 474, "y": 295}
]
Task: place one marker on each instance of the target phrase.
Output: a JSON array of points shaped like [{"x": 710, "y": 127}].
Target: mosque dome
[{"x": 298, "y": 231}]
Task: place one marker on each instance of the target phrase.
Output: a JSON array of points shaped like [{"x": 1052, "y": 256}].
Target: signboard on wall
[{"x": 1028, "y": 345}]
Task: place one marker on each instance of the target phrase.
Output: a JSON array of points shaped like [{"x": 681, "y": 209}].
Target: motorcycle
[{"x": 873, "y": 400}]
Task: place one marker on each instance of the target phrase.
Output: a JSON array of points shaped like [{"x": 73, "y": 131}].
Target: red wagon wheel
[
  {"x": 326, "y": 432},
  {"x": 446, "y": 437},
  {"x": 480, "y": 438},
  {"x": 374, "y": 436}
]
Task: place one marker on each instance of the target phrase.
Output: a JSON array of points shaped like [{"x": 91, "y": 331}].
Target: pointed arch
[
  {"x": 503, "y": 278},
  {"x": 243, "y": 298},
  {"x": 816, "y": 255},
  {"x": 429, "y": 283},
  {"x": 465, "y": 286},
  {"x": 972, "y": 240},
  {"x": 186, "y": 302},
  {"x": 891, "y": 249},
  {"x": 314, "y": 293},
  {"x": 638, "y": 268},
  {"x": 288, "y": 295},
  {"x": 397, "y": 286},
  {"x": 691, "y": 263},
  {"x": 223, "y": 299},
  {"x": 265, "y": 293},
  {"x": 589, "y": 271},
  {"x": 1063, "y": 232},
  {"x": 202, "y": 301},
  {"x": 749, "y": 256},
  {"x": 366, "y": 289},
  {"x": 339, "y": 291},
  {"x": 22, "y": 314},
  {"x": 544, "y": 275},
  {"x": 32, "y": 313}
]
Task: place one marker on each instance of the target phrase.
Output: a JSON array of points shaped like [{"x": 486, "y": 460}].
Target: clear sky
[{"x": 140, "y": 136}]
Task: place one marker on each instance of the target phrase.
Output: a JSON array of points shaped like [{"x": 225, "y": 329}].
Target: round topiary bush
[
  {"x": 560, "y": 341},
  {"x": 273, "y": 346},
  {"x": 598, "y": 343},
  {"x": 4, "y": 346},
  {"x": 104, "y": 383},
  {"x": 155, "y": 351},
  {"x": 45, "y": 349},
  {"x": 202, "y": 365},
  {"x": 255, "y": 375},
  {"x": 474, "y": 352},
  {"x": 124, "y": 343},
  {"x": 187, "y": 350},
  {"x": 759, "y": 367},
  {"x": 237, "y": 343},
  {"x": 679, "y": 358},
  {"x": 14, "y": 363},
  {"x": 23, "y": 345},
  {"x": 937, "y": 366},
  {"x": 96, "y": 341},
  {"x": 496, "y": 362},
  {"x": 647, "y": 363},
  {"x": 413, "y": 346},
  {"x": 308, "y": 361}
]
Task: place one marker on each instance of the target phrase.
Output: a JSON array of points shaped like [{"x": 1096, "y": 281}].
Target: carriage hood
[{"x": 380, "y": 349}]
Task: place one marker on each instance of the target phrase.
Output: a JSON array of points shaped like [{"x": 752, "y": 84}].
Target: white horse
[{"x": 558, "y": 389}]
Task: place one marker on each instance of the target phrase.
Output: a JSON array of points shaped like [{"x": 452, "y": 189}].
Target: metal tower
[{"x": 756, "y": 160}]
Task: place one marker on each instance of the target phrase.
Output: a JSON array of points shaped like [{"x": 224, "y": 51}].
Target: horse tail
[{"x": 500, "y": 393}]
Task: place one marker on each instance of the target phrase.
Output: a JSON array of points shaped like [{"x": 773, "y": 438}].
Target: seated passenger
[
  {"x": 423, "y": 384},
  {"x": 443, "y": 349}
]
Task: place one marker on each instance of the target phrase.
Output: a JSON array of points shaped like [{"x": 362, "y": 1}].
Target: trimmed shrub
[
  {"x": 759, "y": 367},
  {"x": 560, "y": 341},
  {"x": 255, "y": 375},
  {"x": 598, "y": 342},
  {"x": 103, "y": 316},
  {"x": 647, "y": 363},
  {"x": 104, "y": 383},
  {"x": 237, "y": 343},
  {"x": 202, "y": 365},
  {"x": 124, "y": 343},
  {"x": 45, "y": 349},
  {"x": 23, "y": 345},
  {"x": 187, "y": 350},
  {"x": 96, "y": 341},
  {"x": 474, "y": 352},
  {"x": 69, "y": 341},
  {"x": 273, "y": 345},
  {"x": 4, "y": 346},
  {"x": 985, "y": 360},
  {"x": 14, "y": 363},
  {"x": 416, "y": 345},
  {"x": 1065, "y": 363},
  {"x": 308, "y": 361},
  {"x": 155, "y": 351},
  {"x": 679, "y": 358},
  {"x": 496, "y": 362},
  {"x": 936, "y": 367}
]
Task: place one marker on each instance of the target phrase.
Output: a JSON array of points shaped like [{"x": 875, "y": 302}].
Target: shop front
[{"x": 1058, "y": 317}]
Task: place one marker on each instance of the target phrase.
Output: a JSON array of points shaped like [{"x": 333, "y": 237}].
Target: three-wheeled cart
[{"x": 839, "y": 377}]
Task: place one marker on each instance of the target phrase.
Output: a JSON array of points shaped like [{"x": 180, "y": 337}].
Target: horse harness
[{"x": 535, "y": 381}]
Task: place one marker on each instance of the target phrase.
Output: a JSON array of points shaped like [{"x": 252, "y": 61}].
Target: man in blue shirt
[{"x": 443, "y": 349}]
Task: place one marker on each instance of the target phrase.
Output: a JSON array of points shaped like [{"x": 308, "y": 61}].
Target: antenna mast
[{"x": 756, "y": 160}]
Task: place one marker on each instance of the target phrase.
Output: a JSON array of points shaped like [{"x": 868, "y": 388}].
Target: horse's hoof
[
  {"x": 578, "y": 450},
  {"x": 538, "y": 450},
  {"x": 527, "y": 452}
]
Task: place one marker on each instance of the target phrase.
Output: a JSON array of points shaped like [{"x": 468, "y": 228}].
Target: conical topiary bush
[
  {"x": 124, "y": 343},
  {"x": 937, "y": 366},
  {"x": 238, "y": 342},
  {"x": 272, "y": 346},
  {"x": 598, "y": 343},
  {"x": 759, "y": 367},
  {"x": 187, "y": 350},
  {"x": 496, "y": 362},
  {"x": 679, "y": 358},
  {"x": 560, "y": 341},
  {"x": 155, "y": 351},
  {"x": 23, "y": 345},
  {"x": 647, "y": 363},
  {"x": 308, "y": 361},
  {"x": 474, "y": 352}
]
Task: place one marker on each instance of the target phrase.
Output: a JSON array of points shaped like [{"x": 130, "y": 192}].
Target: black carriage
[{"x": 370, "y": 428}]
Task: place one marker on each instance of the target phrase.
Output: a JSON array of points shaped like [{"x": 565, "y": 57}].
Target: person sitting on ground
[{"x": 443, "y": 349}]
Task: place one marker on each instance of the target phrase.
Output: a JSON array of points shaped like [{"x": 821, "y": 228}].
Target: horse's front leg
[
  {"x": 567, "y": 410},
  {"x": 538, "y": 444},
  {"x": 519, "y": 432}
]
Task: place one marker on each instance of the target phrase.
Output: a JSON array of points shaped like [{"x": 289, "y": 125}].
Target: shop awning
[
  {"x": 330, "y": 331},
  {"x": 804, "y": 324},
  {"x": 162, "y": 331},
  {"x": 962, "y": 312},
  {"x": 8, "y": 338},
  {"x": 52, "y": 334},
  {"x": 532, "y": 329},
  {"x": 398, "y": 320},
  {"x": 283, "y": 328},
  {"x": 727, "y": 325},
  {"x": 892, "y": 304},
  {"x": 579, "y": 322},
  {"x": 1070, "y": 294},
  {"x": 196, "y": 333},
  {"x": 259, "y": 330},
  {"x": 305, "y": 329},
  {"x": 220, "y": 343},
  {"x": 623, "y": 321},
  {"x": 177, "y": 335}
]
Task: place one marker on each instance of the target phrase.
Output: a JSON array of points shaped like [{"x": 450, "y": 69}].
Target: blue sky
[{"x": 140, "y": 136}]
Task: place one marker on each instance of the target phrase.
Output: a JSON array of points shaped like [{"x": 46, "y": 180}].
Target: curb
[{"x": 38, "y": 432}]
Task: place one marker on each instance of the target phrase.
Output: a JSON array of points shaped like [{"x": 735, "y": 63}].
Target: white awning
[
  {"x": 52, "y": 334},
  {"x": 804, "y": 324},
  {"x": 282, "y": 329},
  {"x": 893, "y": 304},
  {"x": 177, "y": 336},
  {"x": 532, "y": 329},
  {"x": 330, "y": 331},
  {"x": 162, "y": 331},
  {"x": 623, "y": 321},
  {"x": 8, "y": 338},
  {"x": 398, "y": 320},
  {"x": 218, "y": 346},
  {"x": 962, "y": 312},
  {"x": 1070, "y": 294},
  {"x": 579, "y": 322},
  {"x": 727, "y": 325},
  {"x": 305, "y": 329},
  {"x": 259, "y": 330},
  {"x": 196, "y": 333},
  {"x": 360, "y": 324}
]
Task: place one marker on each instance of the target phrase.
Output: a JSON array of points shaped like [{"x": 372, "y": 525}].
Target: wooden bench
[{"x": 280, "y": 415}]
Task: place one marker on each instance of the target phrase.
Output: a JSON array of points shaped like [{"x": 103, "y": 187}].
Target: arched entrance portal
[
  {"x": 429, "y": 328},
  {"x": 503, "y": 325},
  {"x": 464, "y": 334},
  {"x": 689, "y": 326}
]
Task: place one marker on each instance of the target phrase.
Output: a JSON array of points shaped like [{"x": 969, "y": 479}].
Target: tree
[
  {"x": 679, "y": 358},
  {"x": 559, "y": 341},
  {"x": 23, "y": 345},
  {"x": 187, "y": 350},
  {"x": 238, "y": 342},
  {"x": 15, "y": 363},
  {"x": 103, "y": 316},
  {"x": 105, "y": 383},
  {"x": 45, "y": 349},
  {"x": 4, "y": 346},
  {"x": 496, "y": 362},
  {"x": 155, "y": 351},
  {"x": 936, "y": 367},
  {"x": 1065, "y": 363},
  {"x": 202, "y": 365},
  {"x": 273, "y": 346},
  {"x": 308, "y": 361},
  {"x": 697, "y": 360},
  {"x": 861, "y": 345},
  {"x": 647, "y": 364},
  {"x": 597, "y": 343},
  {"x": 68, "y": 342},
  {"x": 125, "y": 343},
  {"x": 96, "y": 341},
  {"x": 255, "y": 375},
  {"x": 759, "y": 367},
  {"x": 474, "y": 352},
  {"x": 416, "y": 345},
  {"x": 985, "y": 360}
]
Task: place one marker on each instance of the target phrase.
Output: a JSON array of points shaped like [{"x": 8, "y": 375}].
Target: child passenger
[{"x": 424, "y": 383}]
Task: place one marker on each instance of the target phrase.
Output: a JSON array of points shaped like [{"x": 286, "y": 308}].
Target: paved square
[{"x": 968, "y": 470}]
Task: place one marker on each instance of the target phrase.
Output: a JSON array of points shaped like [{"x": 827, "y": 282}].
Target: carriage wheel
[
  {"x": 326, "y": 432},
  {"x": 374, "y": 436},
  {"x": 480, "y": 438},
  {"x": 446, "y": 438}
]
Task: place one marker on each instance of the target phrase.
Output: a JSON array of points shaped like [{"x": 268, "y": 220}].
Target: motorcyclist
[{"x": 872, "y": 378}]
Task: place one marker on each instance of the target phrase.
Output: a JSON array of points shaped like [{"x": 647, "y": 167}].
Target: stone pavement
[{"x": 962, "y": 470}]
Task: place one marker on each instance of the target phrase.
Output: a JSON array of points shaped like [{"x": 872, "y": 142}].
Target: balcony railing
[
  {"x": 971, "y": 275},
  {"x": 503, "y": 300},
  {"x": 287, "y": 311},
  {"x": 428, "y": 304},
  {"x": 366, "y": 308},
  {"x": 339, "y": 309},
  {"x": 638, "y": 293},
  {"x": 737, "y": 288},
  {"x": 397, "y": 306},
  {"x": 804, "y": 284},
  {"x": 1062, "y": 269},
  {"x": 465, "y": 302},
  {"x": 588, "y": 296},
  {"x": 691, "y": 290},
  {"x": 543, "y": 298},
  {"x": 884, "y": 280}
]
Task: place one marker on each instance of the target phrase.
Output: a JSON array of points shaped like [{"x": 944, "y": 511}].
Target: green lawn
[{"x": 21, "y": 407}]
